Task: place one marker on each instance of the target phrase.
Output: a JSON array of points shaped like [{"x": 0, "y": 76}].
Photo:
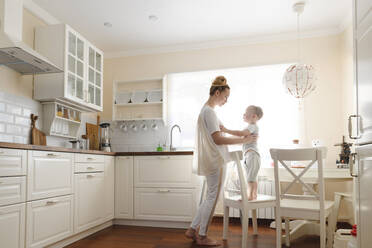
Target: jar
[{"x": 59, "y": 111}]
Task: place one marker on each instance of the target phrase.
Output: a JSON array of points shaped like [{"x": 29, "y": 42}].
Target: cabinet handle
[
  {"x": 48, "y": 203},
  {"x": 90, "y": 176},
  {"x": 52, "y": 155},
  {"x": 90, "y": 168},
  {"x": 164, "y": 157},
  {"x": 164, "y": 190},
  {"x": 1, "y": 152},
  {"x": 351, "y": 164},
  {"x": 90, "y": 158},
  {"x": 1, "y": 182}
]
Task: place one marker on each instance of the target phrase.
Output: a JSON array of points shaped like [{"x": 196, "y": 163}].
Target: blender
[{"x": 105, "y": 137}]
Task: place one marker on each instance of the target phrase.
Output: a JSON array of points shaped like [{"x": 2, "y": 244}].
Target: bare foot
[
  {"x": 205, "y": 241},
  {"x": 191, "y": 233}
]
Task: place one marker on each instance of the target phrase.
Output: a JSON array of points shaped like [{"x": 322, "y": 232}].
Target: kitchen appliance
[
  {"x": 75, "y": 144},
  {"x": 105, "y": 137},
  {"x": 13, "y": 52},
  {"x": 360, "y": 124}
]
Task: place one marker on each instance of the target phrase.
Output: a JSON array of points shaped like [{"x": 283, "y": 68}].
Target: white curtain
[{"x": 259, "y": 85}]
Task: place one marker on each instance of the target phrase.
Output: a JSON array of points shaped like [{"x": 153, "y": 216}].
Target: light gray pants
[{"x": 206, "y": 209}]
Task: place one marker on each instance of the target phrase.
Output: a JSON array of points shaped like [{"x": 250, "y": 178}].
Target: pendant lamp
[{"x": 299, "y": 79}]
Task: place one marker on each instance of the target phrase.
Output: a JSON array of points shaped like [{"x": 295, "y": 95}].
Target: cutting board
[
  {"x": 37, "y": 137},
  {"x": 92, "y": 135}
]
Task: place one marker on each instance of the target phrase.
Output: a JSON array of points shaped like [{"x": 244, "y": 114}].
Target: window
[{"x": 260, "y": 85}]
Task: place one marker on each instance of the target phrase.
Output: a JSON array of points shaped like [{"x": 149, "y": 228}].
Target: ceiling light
[
  {"x": 153, "y": 18},
  {"x": 107, "y": 24}
]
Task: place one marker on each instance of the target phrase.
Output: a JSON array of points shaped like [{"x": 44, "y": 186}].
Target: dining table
[{"x": 299, "y": 228}]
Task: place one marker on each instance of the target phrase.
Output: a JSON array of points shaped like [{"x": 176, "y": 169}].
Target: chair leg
[
  {"x": 287, "y": 232},
  {"x": 330, "y": 230},
  {"x": 336, "y": 208},
  {"x": 322, "y": 233},
  {"x": 254, "y": 221},
  {"x": 245, "y": 229},
  {"x": 278, "y": 222},
  {"x": 225, "y": 222}
]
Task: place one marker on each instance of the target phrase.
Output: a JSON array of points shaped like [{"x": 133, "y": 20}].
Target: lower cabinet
[
  {"x": 109, "y": 191},
  {"x": 124, "y": 187},
  {"x": 49, "y": 221},
  {"x": 166, "y": 204},
  {"x": 12, "y": 226},
  {"x": 89, "y": 200}
]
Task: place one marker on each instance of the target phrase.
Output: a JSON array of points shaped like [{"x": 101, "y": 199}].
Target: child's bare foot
[
  {"x": 191, "y": 233},
  {"x": 205, "y": 241},
  {"x": 250, "y": 198}
]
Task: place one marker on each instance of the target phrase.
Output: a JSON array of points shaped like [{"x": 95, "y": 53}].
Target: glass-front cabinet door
[
  {"x": 95, "y": 69},
  {"x": 75, "y": 66}
]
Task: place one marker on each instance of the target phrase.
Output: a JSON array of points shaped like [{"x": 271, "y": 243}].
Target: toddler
[{"x": 251, "y": 155}]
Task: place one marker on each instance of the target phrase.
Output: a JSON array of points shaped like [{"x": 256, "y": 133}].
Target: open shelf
[
  {"x": 124, "y": 92},
  {"x": 138, "y": 104},
  {"x": 61, "y": 120}
]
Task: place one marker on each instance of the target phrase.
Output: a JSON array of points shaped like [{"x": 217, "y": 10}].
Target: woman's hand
[{"x": 223, "y": 128}]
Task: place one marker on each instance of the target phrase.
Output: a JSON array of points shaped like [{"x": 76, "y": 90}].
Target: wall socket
[{"x": 316, "y": 142}]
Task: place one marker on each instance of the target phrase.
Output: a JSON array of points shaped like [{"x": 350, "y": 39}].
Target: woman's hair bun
[{"x": 219, "y": 81}]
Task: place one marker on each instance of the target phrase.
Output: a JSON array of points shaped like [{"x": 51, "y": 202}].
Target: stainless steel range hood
[{"x": 13, "y": 52}]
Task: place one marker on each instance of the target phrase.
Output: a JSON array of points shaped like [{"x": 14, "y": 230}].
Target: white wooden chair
[
  {"x": 240, "y": 201},
  {"x": 306, "y": 207}
]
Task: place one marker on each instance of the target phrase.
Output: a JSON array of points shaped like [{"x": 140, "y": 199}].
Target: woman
[{"x": 209, "y": 157}]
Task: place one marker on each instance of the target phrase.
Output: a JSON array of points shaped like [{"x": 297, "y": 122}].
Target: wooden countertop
[{"x": 63, "y": 149}]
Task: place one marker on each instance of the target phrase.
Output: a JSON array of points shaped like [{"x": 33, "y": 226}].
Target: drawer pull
[
  {"x": 52, "y": 155},
  {"x": 164, "y": 157},
  {"x": 90, "y": 168},
  {"x": 90, "y": 176},
  {"x": 164, "y": 190},
  {"x": 1, "y": 152},
  {"x": 90, "y": 158},
  {"x": 1, "y": 182},
  {"x": 48, "y": 203}
]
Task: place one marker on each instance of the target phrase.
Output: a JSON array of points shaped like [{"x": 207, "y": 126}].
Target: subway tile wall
[
  {"x": 15, "y": 123},
  {"x": 15, "y": 126}
]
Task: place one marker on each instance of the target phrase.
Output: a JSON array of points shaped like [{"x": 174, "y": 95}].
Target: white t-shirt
[
  {"x": 212, "y": 124},
  {"x": 253, "y": 129}
]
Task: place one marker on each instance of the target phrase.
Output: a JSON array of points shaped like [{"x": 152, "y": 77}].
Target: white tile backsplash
[
  {"x": 140, "y": 140},
  {"x": 13, "y": 109},
  {"x": 7, "y": 118},
  {"x": 2, "y": 107}
]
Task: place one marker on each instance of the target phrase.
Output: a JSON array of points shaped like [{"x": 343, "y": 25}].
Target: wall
[{"x": 323, "y": 107}]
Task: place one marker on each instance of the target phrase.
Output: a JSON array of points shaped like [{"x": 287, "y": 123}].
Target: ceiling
[{"x": 186, "y": 23}]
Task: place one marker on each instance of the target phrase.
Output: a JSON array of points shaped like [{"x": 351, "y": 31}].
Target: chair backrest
[
  {"x": 237, "y": 157},
  {"x": 313, "y": 155}
]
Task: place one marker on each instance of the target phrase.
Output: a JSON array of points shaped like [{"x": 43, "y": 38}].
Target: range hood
[{"x": 13, "y": 52}]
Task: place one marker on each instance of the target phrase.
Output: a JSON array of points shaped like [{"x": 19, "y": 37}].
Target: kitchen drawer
[
  {"x": 13, "y": 162},
  {"x": 89, "y": 167},
  {"x": 164, "y": 171},
  {"x": 49, "y": 221},
  {"x": 89, "y": 158},
  {"x": 164, "y": 204},
  {"x": 49, "y": 175},
  {"x": 50, "y": 155},
  {"x": 12, "y": 190},
  {"x": 12, "y": 226}
]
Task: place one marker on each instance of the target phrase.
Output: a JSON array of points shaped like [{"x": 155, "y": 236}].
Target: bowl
[{"x": 139, "y": 96}]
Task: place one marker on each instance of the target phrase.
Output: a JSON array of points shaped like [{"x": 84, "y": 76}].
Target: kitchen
[{"x": 329, "y": 49}]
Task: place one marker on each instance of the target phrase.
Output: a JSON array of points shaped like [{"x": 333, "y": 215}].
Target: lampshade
[{"x": 299, "y": 80}]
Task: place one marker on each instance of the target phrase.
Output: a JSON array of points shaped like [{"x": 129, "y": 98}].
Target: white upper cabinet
[{"x": 82, "y": 63}]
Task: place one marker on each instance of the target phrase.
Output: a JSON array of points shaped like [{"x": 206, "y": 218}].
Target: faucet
[{"x": 171, "y": 141}]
